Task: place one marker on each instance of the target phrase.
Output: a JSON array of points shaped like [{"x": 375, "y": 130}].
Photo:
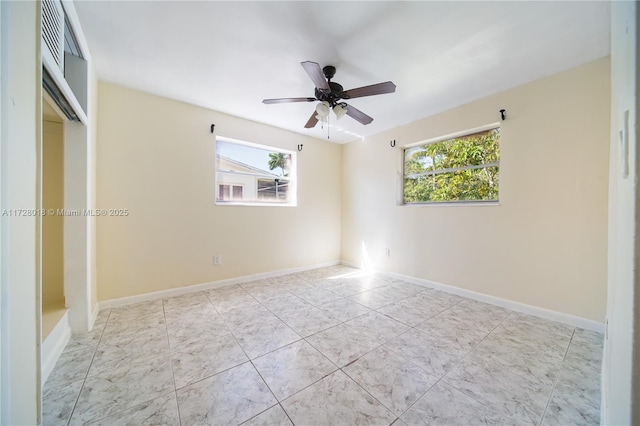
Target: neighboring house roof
[{"x": 227, "y": 164}]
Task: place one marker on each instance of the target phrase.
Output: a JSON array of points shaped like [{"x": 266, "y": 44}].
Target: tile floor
[{"x": 327, "y": 346}]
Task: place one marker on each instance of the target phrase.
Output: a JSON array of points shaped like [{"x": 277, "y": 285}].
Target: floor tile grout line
[
  {"x": 84, "y": 380},
  {"x": 156, "y": 397},
  {"x": 93, "y": 421},
  {"x": 173, "y": 373},
  {"x": 320, "y": 352},
  {"x": 383, "y": 345},
  {"x": 219, "y": 372},
  {"x": 262, "y": 412},
  {"x": 368, "y": 393},
  {"x": 204, "y": 378},
  {"x": 458, "y": 362},
  {"x": 75, "y": 402},
  {"x": 555, "y": 382},
  {"x": 421, "y": 396},
  {"x": 85, "y": 346},
  {"x": 166, "y": 330},
  {"x": 401, "y": 355},
  {"x": 268, "y": 387},
  {"x": 87, "y": 376},
  {"x": 338, "y": 368},
  {"x": 273, "y": 350},
  {"x": 178, "y": 408},
  {"x": 245, "y": 352},
  {"x": 276, "y": 315},
  {"x": 470, "y": 352},
  {"x": 285, "y": 412},
  {"x": 210, "y": 376},
  {"x": 303, "y": 338},
  {"x": 480, "y": 342},
  {"x": 307, "y": 386}
]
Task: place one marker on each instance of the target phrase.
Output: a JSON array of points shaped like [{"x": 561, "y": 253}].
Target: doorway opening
[{"x": 54, "y": 307}]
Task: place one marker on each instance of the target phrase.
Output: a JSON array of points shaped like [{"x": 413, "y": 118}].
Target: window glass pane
[
  {"x": 416, "y": 160},
  {"x": 223, "y": 193},
  {"x": 275, "y": 190},
  {"x": 237, "y": 192},
  {"x": 465, "y": 168},
  {"x": 256, "y": 173}
]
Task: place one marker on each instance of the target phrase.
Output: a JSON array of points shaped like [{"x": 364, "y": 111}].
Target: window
[
  {"x": 230, "y": 192},
  {"x": 249, "y": 174},
  {"x": 458, "y": 169}
]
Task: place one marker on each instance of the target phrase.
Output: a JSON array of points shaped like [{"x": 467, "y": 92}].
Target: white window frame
[
  {"x": 292, "y": 178},
  {"x": 442, "y": 138}
]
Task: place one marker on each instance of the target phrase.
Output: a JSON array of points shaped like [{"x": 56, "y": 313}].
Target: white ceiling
[{"x": 228, "y": 56}]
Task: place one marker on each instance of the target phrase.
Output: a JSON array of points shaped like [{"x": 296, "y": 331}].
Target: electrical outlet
[
  {"x": 217, "y": 260},
  {"x": 387, "y": 252}
]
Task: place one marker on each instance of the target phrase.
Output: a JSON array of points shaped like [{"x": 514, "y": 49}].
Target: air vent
[{"x": 53, "y": 30}]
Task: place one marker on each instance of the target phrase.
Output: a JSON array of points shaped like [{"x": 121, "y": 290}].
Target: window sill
[
  {"x": 452, "y": 204},
  {"x": 250, "y": 204}
]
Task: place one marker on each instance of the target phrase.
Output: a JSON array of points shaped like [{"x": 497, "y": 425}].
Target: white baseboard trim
[
  {"x": 94, "y": 315},
  {"x": 53, "y": 346},
  {"x": 114, "y": 303},
  {"x": 548, "y": 314},
  {"x": 493, "y": 300},
  {"x": 352, "y": 264}
]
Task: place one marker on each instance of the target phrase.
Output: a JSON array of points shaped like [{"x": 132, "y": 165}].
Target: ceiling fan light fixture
[
  {"x": 323, "y": 109},
  {"x": 339, "y": 111}
]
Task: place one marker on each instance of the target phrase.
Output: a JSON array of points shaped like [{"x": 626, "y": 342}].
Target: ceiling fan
[{"x": 330, "y": 95}]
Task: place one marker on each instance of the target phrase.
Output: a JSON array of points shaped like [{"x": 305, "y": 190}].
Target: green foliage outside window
[
  {"x": 279, "y": 160},
  {"x": 465, "y": 168}
]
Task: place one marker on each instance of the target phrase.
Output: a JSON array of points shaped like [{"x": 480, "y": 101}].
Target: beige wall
[
  {"x": 52, "y": 198},
  {"x": 545, "y": 244},
  {"x": 156, "y": 158}
]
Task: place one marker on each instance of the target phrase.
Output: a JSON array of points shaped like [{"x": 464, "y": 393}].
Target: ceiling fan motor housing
[{"x": 333, "y": 96}]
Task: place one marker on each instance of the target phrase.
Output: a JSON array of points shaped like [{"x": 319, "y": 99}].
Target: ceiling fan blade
[
  {"x": 374, "y": 89},
  {"x": 283, "y": 100},
  {"x": 358, "y": 115},
  {"x": 316, "y": 75},
  {"x": 312, "y": 121}
]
